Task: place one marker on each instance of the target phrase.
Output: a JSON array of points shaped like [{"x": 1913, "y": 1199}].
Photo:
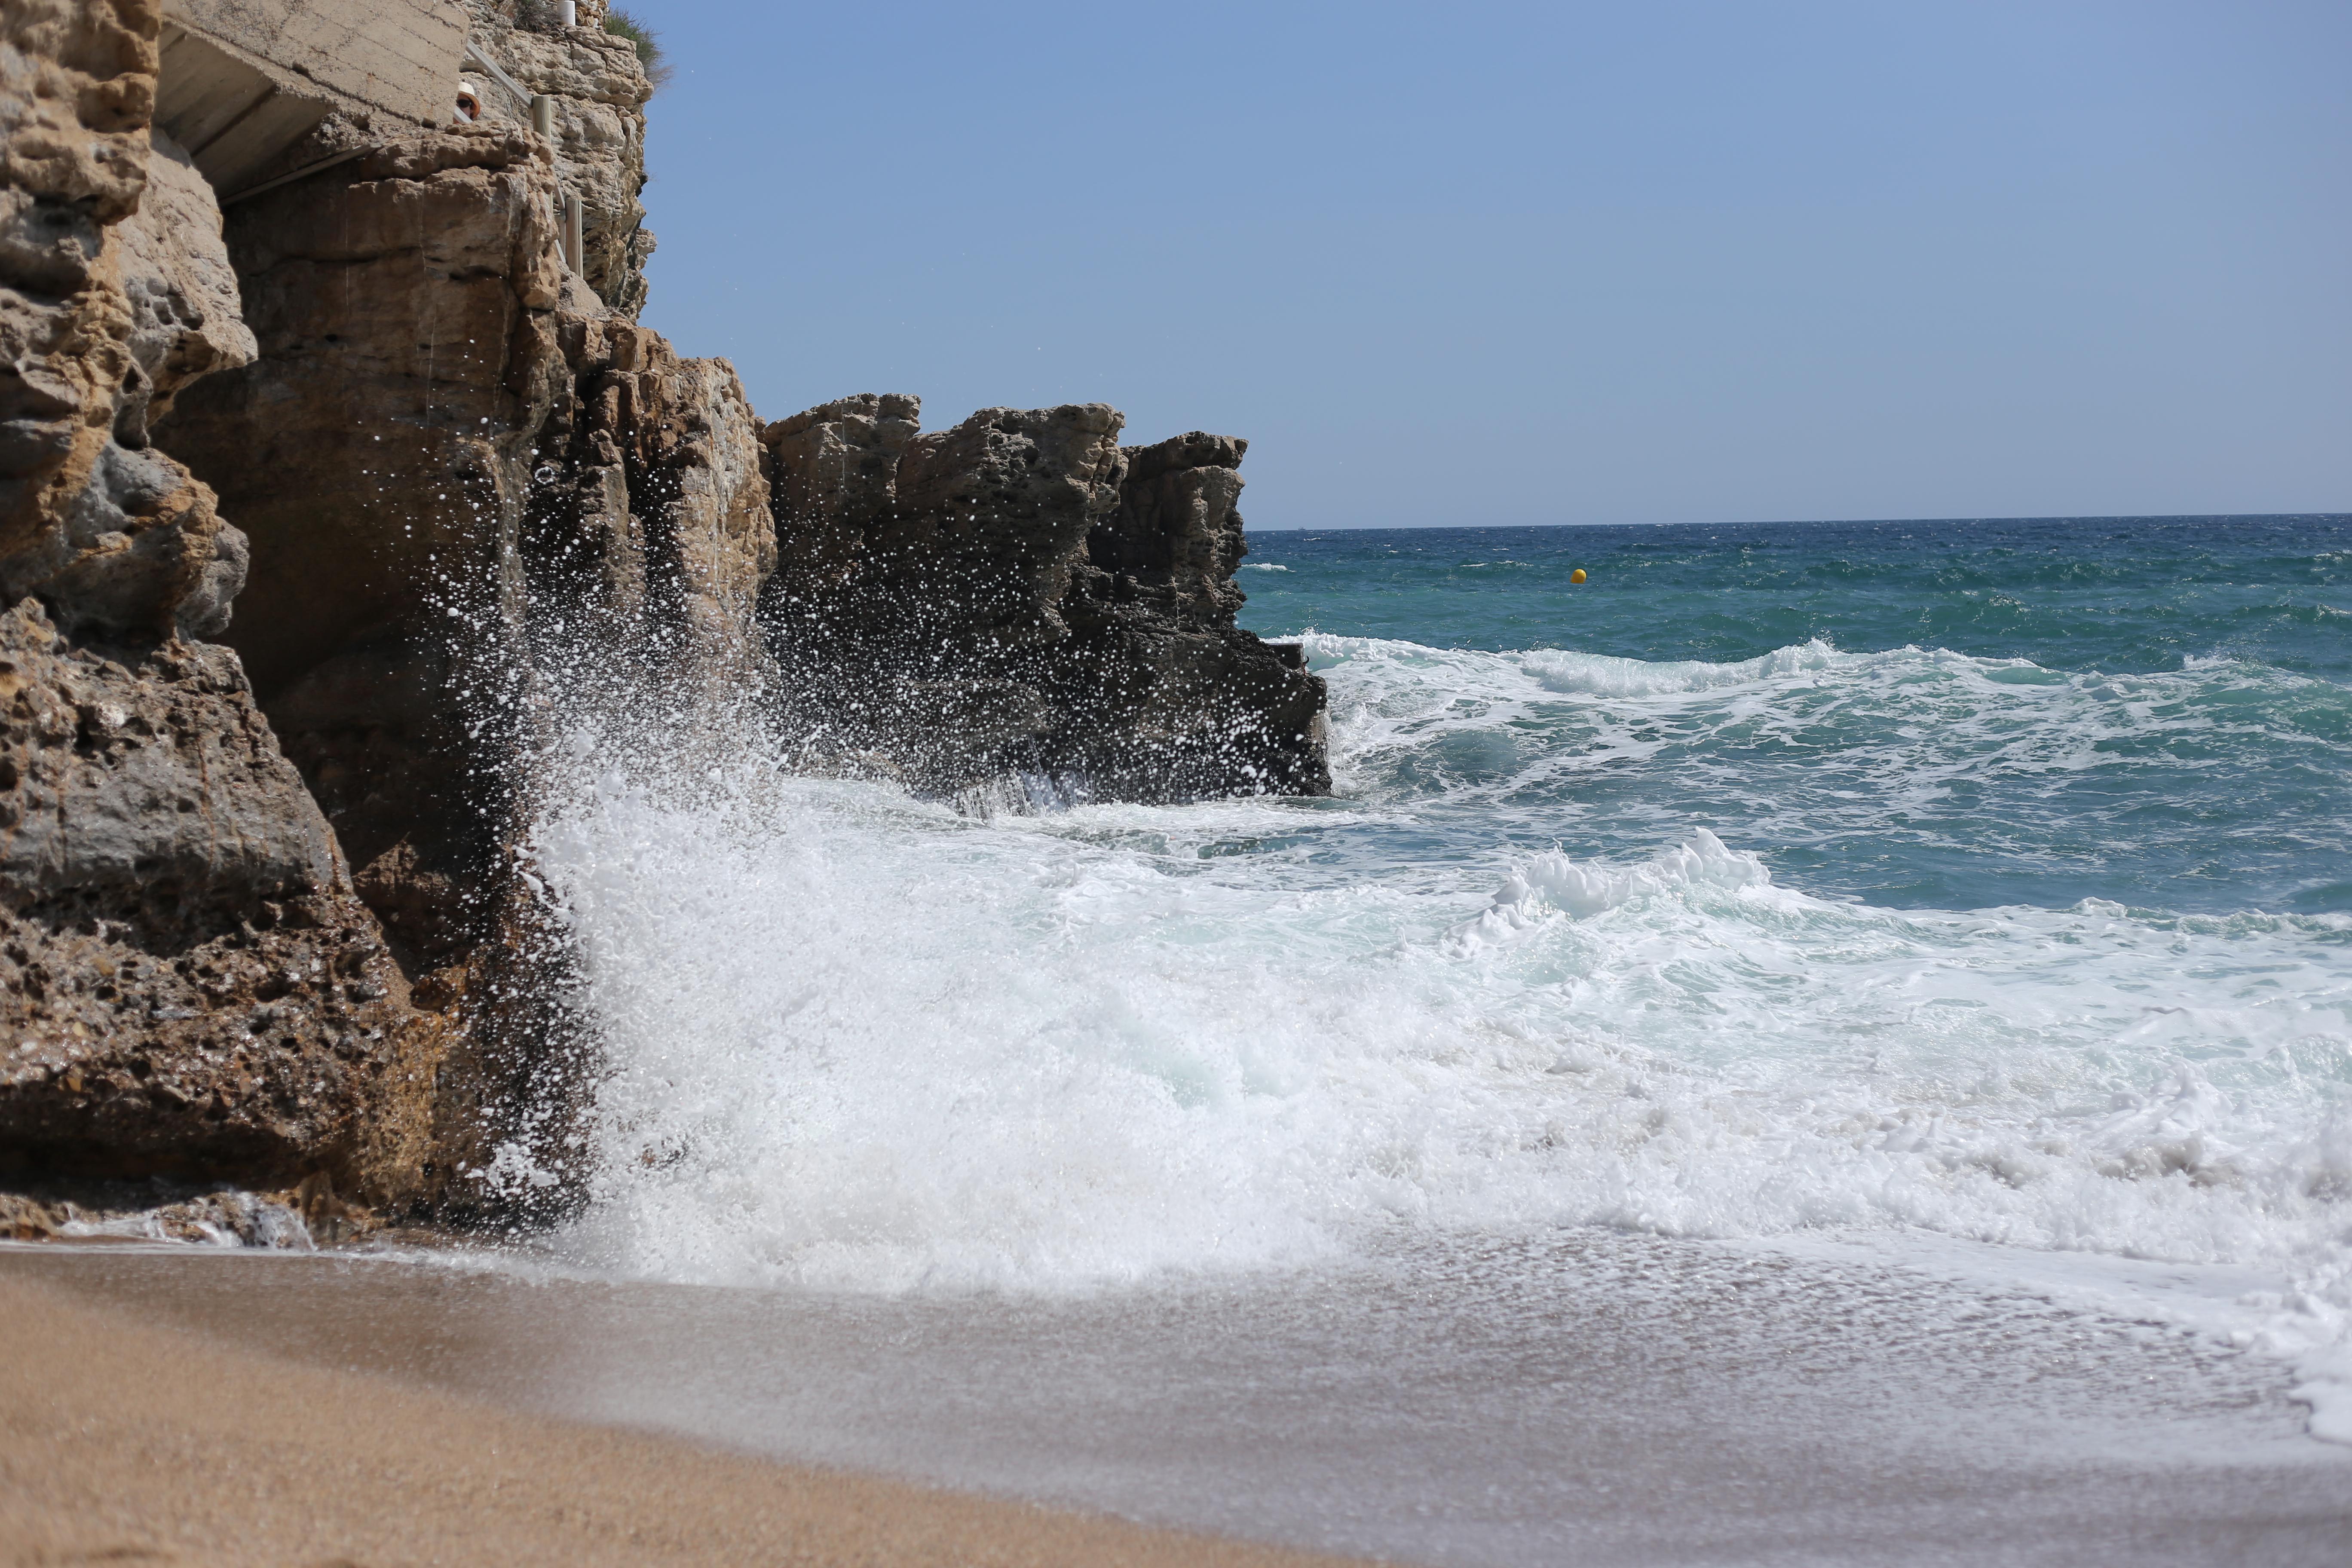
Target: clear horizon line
[{"x": 1808, "y": 522}]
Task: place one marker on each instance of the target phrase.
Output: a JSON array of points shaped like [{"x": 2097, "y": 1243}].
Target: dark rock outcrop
[
  {"x": 1177, "y": 532},
  {"x": 1171, "y": 698},
  {"x": 833, "y": 479},
  {"x": 1020, "y": 598}
]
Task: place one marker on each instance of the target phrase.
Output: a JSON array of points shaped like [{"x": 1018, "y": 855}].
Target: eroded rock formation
[
  {"x": 188, "y": 984},
  {"x": 1022, "y": 598},
  {"x": 377, "y": 453},
  {"x": 460, "y": 468},
  {"x": 445, "y": 443},
  {"x": 599, "y": 90},
  {"x": 114, "y": 535}
]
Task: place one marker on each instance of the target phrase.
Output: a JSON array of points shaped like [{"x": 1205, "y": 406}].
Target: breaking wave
[{"x": 859, "y": 1041}]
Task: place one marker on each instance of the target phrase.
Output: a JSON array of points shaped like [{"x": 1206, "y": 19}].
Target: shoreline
[
  {"x": 1595, "y": 1397},
  {"x": 123, "y": 1438}
]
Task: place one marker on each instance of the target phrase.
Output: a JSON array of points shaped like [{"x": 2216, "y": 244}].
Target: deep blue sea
[{"x": 1966, "y": 885}]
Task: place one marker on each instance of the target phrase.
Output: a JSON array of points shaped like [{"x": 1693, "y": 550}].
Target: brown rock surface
[
  {"x": 480, "y": 500},
  {"x": 188, "y": 985},
  {"x": 443, "y": 438},
  {"x": 655, "y": 473},
  {"x": 599, "y": 89},
  {"x": 113, "y": 536},
  {"x": 187, "y": 319},
  {"x": 404, "y": 309}
]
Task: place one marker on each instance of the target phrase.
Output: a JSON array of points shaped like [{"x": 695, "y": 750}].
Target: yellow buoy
[{"x": 1576, "y": 576}]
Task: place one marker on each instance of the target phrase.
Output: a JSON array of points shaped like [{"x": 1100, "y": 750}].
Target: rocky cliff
[
  {"x": 456, "y": 463},
  {"x": 188, "y": 983},
  {"x": 323, "y": 521},
  {"x": 598, "y": 92}
]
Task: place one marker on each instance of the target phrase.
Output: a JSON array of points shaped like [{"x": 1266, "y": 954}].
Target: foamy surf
[{"x": 1589, "y": 940}]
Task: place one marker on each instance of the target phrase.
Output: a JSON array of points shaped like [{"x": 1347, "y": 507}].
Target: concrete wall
[{"x": 243, "y": 80}]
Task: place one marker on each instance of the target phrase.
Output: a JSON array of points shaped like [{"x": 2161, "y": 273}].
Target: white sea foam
[
  {"x": 858, "y": 1041},
  {"x": 836, "y": 1054},
  {"x": 1602, "y": 675},
  {"x": 1579, "y": 888},
  {"x": 1866, "y": 738}
]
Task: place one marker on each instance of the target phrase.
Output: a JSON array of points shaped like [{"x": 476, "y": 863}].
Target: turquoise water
[{"x": 1958, "y": 715}]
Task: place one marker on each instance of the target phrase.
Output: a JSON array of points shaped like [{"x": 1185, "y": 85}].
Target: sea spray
[
  {"x": 1588, "y": 941},
  {"x": 859, "y": 1041}
]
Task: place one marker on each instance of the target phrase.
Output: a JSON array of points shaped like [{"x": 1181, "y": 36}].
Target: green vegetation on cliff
[{"x": 647, "y": 42}]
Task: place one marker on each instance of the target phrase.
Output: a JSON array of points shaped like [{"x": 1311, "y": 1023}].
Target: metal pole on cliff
[
  {"x": 542, "y": 120},
  {"x": 574, "y": 240},
  {"x": 571, "y": 13}
]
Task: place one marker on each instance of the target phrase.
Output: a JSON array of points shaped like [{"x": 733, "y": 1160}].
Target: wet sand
[
  {"x": 125, "y": 1441},
  {"x": 1593, "y": 1399}
]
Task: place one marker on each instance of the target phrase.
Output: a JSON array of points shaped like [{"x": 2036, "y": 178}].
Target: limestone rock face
[
  {"x": 599, "y": 89},
  {"x": 404, "y": 308},
  {"x": 1020, "y": 597},
  {"x": 658, "y": 479},
  {"x": 445, "y": 448},
  {"x": 157, "y": 781},
  {"x": 187, "y": 320},
  {"x": 188, "y": 985},
  {"x": 114, "y": 537},
  {"x": 481, "y": 504},
  {"x": 376, "y": 453}
]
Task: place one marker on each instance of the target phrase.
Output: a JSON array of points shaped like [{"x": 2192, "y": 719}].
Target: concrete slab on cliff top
[{"x": 243, "y": 80}]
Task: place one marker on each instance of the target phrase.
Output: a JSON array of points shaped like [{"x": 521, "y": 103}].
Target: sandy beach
[
  {"x": 1594, "y": 1398},
  {"x": 125, "y": 1441}
]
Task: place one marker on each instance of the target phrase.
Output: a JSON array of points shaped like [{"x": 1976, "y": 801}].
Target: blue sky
[{"x": 1502, "y": 264}]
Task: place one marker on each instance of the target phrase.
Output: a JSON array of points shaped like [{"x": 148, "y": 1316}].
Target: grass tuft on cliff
[{"x": 647, "y": 42}]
